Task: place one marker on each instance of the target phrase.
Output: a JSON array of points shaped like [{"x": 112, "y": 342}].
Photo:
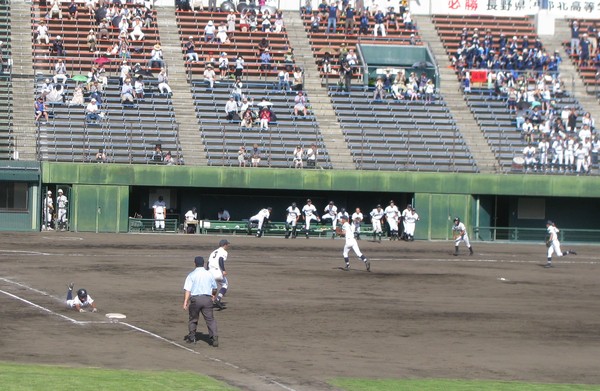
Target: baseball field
[{"x": 295, "y": 320}]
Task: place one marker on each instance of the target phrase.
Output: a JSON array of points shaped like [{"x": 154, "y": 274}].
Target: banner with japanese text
[{"x": 580, "y": 9}]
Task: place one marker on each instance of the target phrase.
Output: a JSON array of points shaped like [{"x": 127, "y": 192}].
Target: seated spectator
[
  {"x": 231, "y": 21},
  {"x": 42, "y": 33},
  {"x": 163, "y": 82},
  {"x": 266, "y": 24},
  {"x": 288, "y": 60},
  {"x": 241, "y": 160},
  {"x": 231, "y": 109},
  {"x": 379, "y": 90},
  {"x": 391, "y": 20},
  {"x": 55, "y": 10},
  {"x": 363, "y": 27},
  {"x": 210, "y": 76},
  {"x": 190, "y": 50},
  {"x": 73, "y": 10},
  {"x": 45, "y": 88},
  {"x": 92, "y": 111},
  {"x": 297, "y": 82},
  {"x": 156, "y": 57},
  {"x": 60, "y": 71},
  {"x": 255, "y": 156},
  {"x": 529, "y": 153},
  {"x": 379, "y": 23},
  {"x": 40, "y": 110},
  {"x": 315, "y": 22},
  {"x": 103, "y": 29},
  {"x": 283, "y": 81},
  {"x": 245, "y": 105},
  {"x": 209, "y": 32},
  {"x": 298, "y": 155},
  {"x": 127, "y": 92},
  {"x": 222, "y": 33},
  {"x": 223, "y": 214},
  {"x": 148, "y": 18},
  {"x": 157, "y": 155},
  {"x": 197, "y": 5},
  {"x": 527, "y": 130},
  {"x": 352, "y": 58},
  {"x": 278, "y": 26},
  {"x": 247, "y": 120},
  {"x": 300, "y": 105},
  {"x": 137, "y": 34},
  {"x": 429, "y": 91},
  {"x": 236, "y": 91},
  {"x": 263, "y": 45},
  {"x": 125, "y": 71},
  {"x": 407, "y": 18},
  {"x": 169, "y": 159},
  {"x": 56, "y": 95},
  {"x": 239, "y": 66},
  {"x": 58, "y": 47},
  {"x": 326, "y": 62},
  {"x": 265, "y": 63},
  {"x": 398, "y": 88},
  {"x": 100, "y": 156},
  {"x": 92, "y": 41},
  {"x": 244, "y": 23},
  {"x": 223, "y": 65},
  {"x": 77, "y": 99},
  {"x": 138, "y": 88},
  {"x": 265, "y": 117},
  {"x": 123, "y": 26}
]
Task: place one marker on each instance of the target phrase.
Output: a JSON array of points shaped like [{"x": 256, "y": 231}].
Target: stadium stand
[
  {"x": 401, "y": 135},
  {"x": 6, "y": 117},
  {"x": 223, "y": 138},
  {"x": 588, "y": 69},
  {"x": 126, "y": 134}
]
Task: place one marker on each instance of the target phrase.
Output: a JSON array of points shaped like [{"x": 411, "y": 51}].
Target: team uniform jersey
[
  {"x": 409, "y": 216},
  {"x": 76, "y": 302},
  {"x": 292, "y": 214},
  {"x": 309, "y": 210},
  {"x": 214, "y": 266},
  {"x": 391, "y": 215}
]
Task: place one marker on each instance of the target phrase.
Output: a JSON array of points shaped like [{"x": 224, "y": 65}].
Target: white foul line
[{"x": 78, "y": 322}]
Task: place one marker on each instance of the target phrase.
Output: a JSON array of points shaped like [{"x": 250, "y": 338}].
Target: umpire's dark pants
[{"x": 202, "y": 304}]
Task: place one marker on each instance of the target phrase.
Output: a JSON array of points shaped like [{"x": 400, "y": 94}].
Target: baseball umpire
[{"x": 199, "y": 288}]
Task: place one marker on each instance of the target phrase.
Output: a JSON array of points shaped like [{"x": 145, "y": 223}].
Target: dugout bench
[{"x": 147, "y": 225}]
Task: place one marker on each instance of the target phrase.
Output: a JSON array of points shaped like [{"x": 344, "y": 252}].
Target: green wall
[{"x": 99, "y": 208}]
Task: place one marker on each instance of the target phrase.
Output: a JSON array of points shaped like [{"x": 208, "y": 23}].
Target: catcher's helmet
[{"x": 82, "y": 293}]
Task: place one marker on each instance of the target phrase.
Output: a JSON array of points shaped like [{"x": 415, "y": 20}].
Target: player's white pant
[
  {"x": 62, "y": 215},
  {"x": 376, "y": 226},
  {"x": 569, "y": 158},
  {"x": 543, "y": 159},
  {"x": 259, "y": 220},
  {"x": 307, "y": 220},
  {"x": 393, "y": 223},
  {"x": 332, "y": 218},
  {"x": 291, "y": 221},
  {"x": 554, "y": 248},
  {"x": 582, "y": 165},
  {"x": 379, "y": 27},
  {"x": 159, "y": 223},
  {"x": 351, "y": 243},
  {"x": 219, "y": 277},
  {"x": 48, "y": 217},
  {"x": 357, "y": 228},
  {"x": 558, "y": 158},
  {"x": 462, "y": 238},
  {"x": 409, "y": 228}
]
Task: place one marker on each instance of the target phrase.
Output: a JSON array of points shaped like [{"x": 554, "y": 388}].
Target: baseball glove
[{"x": 548, "y": 242}]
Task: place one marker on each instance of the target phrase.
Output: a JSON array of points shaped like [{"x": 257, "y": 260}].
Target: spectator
[
  {"x": 236, "y": 91},
  {"x": 300, "y": 105},
  {"x": 92, "y": 111},
  {"x": 58, "y": 47},
  {"x": 266, "y": 24},
  {"x": 209, "y": 32},
  {"x": 42, "y": 33},
  {"x": 584, "y": 50},
  {"x": 265, "y": 117},
  {"x": 92, "y": 41},
  {"x": 56, "y": 95},
  {"x": 247, "y": 120},
  {"x": 156, "y": 57},
  {"x": 241, "y": 160},
  {"x": 391, "y": 20},
  {"x": 124, "y": 71},
  {"x": 315, "y": 22},
  {"x": 332, "y": 16},
  {"x": 45, "y": 88},
  {"x": 222, "y": 34},
  {"x": 255, "y": 156},
  {"x": 100, "y": 156},
  {"x": 231, "y": 109},
  {"x": 379, "y": 23},
  {"x": 364, "y": 24},
  {"x": 574, "y": 38},
  {"x": 55, "y": 10},
  {"x": 311, "y": 156},
  {"x": 127, "y": 93},
  {"x": 190, "y": 51},
  {"x": 138, "y": 88},
  {"x": 197, "y": 5},
  {"x": 137, "y": 34},
  {"x": 346, "y": 73},
  {"x": 169, "y": 160},
  {"x": 279, "y": 25},
  {"x": 40, "y": 110},
  {"x": 283, "y": 81},
  {"x": 288, "y": 60},
  {"x": 429, "y": 91},
  {"x": 223, "y": 65},
  {"x": 298, "y": 155},
  {"x": 349, "y": 22},
  {"x": 379, "y": 90},
  {"x": 157, "y": 154},
  {"x": 210, "y": 76},
  {"x": 223, "y": 214},
  {"x": 163, "y": 82},
  {"x": 297, "y": 83},
  {"x": 407, "y": 17},
  {"x": 265, "y": 63},
  {"x": 77, "y": 99},
  {"x": 244, "y": 22},
  {"x": 103, "y": 29},
  {"x": 73, "y": 10},
  {"x": 60, "y": 71},
  {"x": 239, "y": 66},
  {"x": 231, "y": 21}
]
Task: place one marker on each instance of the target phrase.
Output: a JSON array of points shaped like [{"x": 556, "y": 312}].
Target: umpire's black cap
[{"x": 199, "y": 261}]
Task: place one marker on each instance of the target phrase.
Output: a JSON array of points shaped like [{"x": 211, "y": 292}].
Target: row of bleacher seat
[
  {"x": 6, "y": 116},
  {"x": 126, "y": 134},
  {"x": 588, "y": 72}
]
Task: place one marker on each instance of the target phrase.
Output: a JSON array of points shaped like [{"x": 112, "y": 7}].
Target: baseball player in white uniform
[
  {"x": 292, "y": 216},
  {"x": 61, "y": 202},
  {"x": 160, "y": 210},
  {"x": 331, "y": 214},
  {"x": 260, "y": 218},
  {"x": 216, "y": 267},
  {"x": 357, "y": 218},
  {"x": 81, "y": 302},
  {"x": 553, "y": 244},
  {"x": 309, "y": 211},
  {"x": 460, "y": 235},
  {"x": 409, "y": 221},
  {"x": 376, "y": 217},
  {"x": 392, "y": 215},
  {"x": 48, "y": 211},
  {"x": 347, "y": 230}
]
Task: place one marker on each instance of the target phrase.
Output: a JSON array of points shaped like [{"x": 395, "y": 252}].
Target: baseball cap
[
  {"x": 49, "y": 192},
  {"x": 199, "y": 261},
  {"x": 308, "y": 200},
  {"x": 60, "y": 190},
  {"x": 224, "y": 242}
]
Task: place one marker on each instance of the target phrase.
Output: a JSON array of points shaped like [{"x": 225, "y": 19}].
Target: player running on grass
[{"x": 347, "y": 230}]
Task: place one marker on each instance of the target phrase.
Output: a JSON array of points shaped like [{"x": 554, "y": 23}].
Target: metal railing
[{"x": 517, "y": 234}]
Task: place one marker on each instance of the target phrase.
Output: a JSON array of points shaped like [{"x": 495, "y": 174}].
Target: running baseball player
[
  {"x": 82, "y": 301},
  {"x": 357, "y": 219},
  {"x": 392, "y": 215},
  {"x": 331, "y": 214},
  {"x": 48, "y": 211},
  {"x": 61, "y": 202},
  {"x": 292, "y": 216},
  {"x": 409, "y": 221},
  {"x": 216, "y": 266},
  {"x": 460, "y": 235},
  {"x": 310, "y": 213},
  {"x": 553, "y": 244},
  {"x": 377, "y": 215},
  {"x": 347, "y": 230},
  {"x": 260, "y": 218},
  {"x": 160, "y": 211}
]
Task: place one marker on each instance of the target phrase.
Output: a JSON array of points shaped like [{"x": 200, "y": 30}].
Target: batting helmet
[
  {"x": 457, "y": 219},
  {"x": 82, "y": 294}
]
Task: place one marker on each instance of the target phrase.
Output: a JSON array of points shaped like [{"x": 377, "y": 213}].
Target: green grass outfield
[
  {"x": 23, "y": 377},
  {"x": 452, "y": 385},
  {"x": 19, "y": 377}
]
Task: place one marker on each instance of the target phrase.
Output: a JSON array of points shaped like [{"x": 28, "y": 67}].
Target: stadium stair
[
  {"x": 452, "y": 93},
  {"x": 191, "y": 145},
  {"x": 322, "y": 107},
  {"x": 24, "y": 130},
  {"x": 568, "y": 72}
]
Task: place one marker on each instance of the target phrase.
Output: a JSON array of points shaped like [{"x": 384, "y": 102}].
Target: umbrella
[
  {"x": 422, "y": 64},
  {"x": 79, "y": 78},
  {"x": 102, "y": 60},
  {"x": 265, "y": 103},
  {"x": 329, "y": 50}
]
